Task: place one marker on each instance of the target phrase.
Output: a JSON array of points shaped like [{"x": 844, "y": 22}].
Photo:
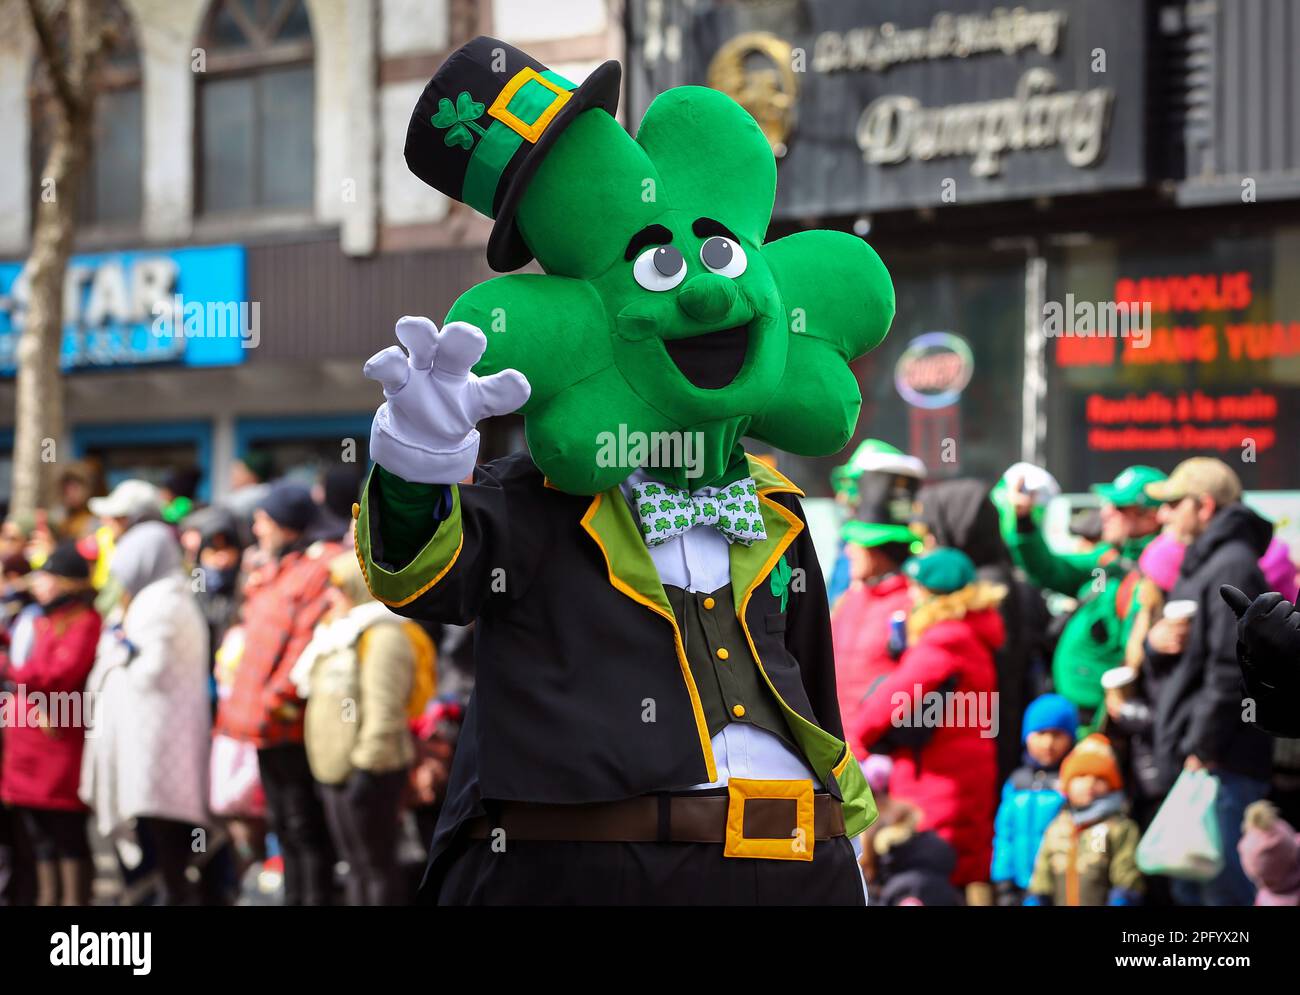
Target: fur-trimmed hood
[{"x": 976, "y": 604}]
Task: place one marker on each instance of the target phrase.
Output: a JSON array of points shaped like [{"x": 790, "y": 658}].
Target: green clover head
[{"x": 661, "y": 308}]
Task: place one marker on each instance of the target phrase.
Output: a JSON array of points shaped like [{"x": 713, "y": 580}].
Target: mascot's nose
[{"x": 707, "y": 297}]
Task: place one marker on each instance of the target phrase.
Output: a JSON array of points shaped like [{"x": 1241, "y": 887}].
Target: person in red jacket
[
  {"x": 281, "y": 608},
  {"x": 880, "y": 484},
  {"x": 936, "y": 712},
  {"x": 46, "y": 730}
]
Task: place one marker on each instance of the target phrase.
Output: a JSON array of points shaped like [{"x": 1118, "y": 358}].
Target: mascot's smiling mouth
[{"x": 710, "y": 360}]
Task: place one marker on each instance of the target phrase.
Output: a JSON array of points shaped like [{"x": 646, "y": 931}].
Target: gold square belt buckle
[
  {"x": 763, "y": 802},
  {"x": 528, "y": 132}
]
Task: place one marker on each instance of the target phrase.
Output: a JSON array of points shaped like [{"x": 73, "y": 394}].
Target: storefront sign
[
  {"x": 909, "y": 103},
  {"x": 185, "y": 306},
  {"x": 934, "y": 369},
  {"x": 1218, "y": 374},
  {"x": 897, "y": 128},
  {"x": 877, "y": 48}
]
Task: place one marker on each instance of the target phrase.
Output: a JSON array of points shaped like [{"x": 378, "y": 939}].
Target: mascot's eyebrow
[
  {"x": 704, "y": 227},
  {"x": 649, "y": 235}
]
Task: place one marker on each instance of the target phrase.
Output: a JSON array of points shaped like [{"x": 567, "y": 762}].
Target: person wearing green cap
[
  {"x": 1103, "y": 580},
  {"x": 878, "y": 486},
  {"x": 879, "y": 483}
]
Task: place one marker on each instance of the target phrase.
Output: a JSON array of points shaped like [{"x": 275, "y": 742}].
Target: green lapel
[
  {"x": 610, "y": 523},
  {"x": 750, "y": 564}
]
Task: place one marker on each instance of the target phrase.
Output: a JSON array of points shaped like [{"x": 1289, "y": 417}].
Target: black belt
[{"x": 659, "y": 818}]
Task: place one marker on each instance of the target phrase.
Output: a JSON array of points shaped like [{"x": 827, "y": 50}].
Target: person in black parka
[{"x": 1200, "y": 711}]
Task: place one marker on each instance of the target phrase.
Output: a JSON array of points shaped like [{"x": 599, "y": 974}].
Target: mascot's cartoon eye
[
  {"x": 660, "y": 268},
  {"x": 723, "y": 256}
]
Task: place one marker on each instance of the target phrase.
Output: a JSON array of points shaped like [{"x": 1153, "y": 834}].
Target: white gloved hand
[{"x": 424, "y": 432}]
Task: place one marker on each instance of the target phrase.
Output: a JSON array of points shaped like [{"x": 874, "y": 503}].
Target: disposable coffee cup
[
  {"x": 1118, "y": 677},
  {"x": 1181, "y": 610},
  {"x": 1034, "y": 480}
]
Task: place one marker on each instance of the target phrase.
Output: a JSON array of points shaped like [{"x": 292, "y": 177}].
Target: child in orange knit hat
[{"x": 1089, "y": 851}]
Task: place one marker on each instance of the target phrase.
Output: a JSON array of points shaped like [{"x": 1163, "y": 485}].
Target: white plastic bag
[
  {"x": 1183, "y": 839},
  {"x": 235, "y": 782}
]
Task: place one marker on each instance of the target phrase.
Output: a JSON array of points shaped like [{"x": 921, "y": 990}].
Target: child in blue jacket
[{"x": 1032, "y": 796}]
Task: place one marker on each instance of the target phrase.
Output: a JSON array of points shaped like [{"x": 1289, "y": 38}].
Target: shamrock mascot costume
[{"x": 655, "y": 717}]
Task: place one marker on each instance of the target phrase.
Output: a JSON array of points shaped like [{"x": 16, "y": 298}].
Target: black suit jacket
[{"x": 582, "y": 692}]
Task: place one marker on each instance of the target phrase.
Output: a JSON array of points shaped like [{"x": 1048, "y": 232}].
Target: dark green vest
[{"x": 726, "y": 674}]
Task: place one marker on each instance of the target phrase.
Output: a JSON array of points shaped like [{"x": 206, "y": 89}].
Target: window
[
  {"x": 256, "y": 107},
  {"x": 111, "y": 189}
]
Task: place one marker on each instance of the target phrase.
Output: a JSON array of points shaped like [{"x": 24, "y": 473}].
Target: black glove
[{"x": 1268, "y": 650}]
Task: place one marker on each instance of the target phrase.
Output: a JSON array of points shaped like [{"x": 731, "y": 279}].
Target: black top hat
[{"x": 483, "y": 125}]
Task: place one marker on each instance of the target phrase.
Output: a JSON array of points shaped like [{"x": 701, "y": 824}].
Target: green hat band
[{"x": 531, "y": 105}]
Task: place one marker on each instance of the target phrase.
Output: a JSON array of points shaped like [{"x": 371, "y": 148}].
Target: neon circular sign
[{"x": 934, "y": 369}]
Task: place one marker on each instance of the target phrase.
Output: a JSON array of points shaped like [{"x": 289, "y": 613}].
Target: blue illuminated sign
[{"x": 186, "y": 307}]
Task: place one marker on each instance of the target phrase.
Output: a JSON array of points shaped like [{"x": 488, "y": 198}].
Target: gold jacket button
[
  {"x": 709, "y": 603},
  {"x": 738, "y": 711},
  {"x": 356, "y": 510},
  {"x": 722, "y": 653}
]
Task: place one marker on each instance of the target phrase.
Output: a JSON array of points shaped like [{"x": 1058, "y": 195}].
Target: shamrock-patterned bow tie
[{"x": 669, "y": 511}]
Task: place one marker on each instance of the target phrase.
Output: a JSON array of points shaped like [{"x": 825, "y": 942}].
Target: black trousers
[
  {"x": 169, "y": 845},
  {"x": 545, "y": 873},
  {"x": 53, "y": 834},
  {"x": 294, "y": 814},
  {"x": 363, "y": 814}
]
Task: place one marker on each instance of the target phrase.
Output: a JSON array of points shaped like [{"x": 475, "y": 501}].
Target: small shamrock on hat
[{"x": 459, "y": 120}]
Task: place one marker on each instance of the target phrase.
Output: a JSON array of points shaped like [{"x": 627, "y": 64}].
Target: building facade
[
  {"x": 1091, "y": 209},
  {"x": 249, "y": 230}
]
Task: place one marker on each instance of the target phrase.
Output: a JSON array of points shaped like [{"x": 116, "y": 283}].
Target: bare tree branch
[
  {"x": 44, "y": 31},
  {"x": 89, "y": 38},
  {"x": 71, "y": 40}
]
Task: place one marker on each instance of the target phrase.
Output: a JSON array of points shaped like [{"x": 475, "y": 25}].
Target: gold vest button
[
  {"x": 738, "y": 711},
  {"x": 709, "y": 603},
  {"x": 722, "y": 653}
]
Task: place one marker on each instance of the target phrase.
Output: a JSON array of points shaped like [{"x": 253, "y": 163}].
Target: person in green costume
[
  {"x": 655, "y": 716},
  {"x": 1103, "y": 580}
]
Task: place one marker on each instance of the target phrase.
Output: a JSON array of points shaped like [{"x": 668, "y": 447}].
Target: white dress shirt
[{"x": 698, "y": 560}]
